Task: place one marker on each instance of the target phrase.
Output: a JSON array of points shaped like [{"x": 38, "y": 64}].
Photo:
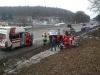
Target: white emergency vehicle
[{"x": 11, "y": 37}]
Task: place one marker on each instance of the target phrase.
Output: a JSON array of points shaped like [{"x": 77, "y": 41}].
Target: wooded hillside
[{"x": 34, "y": 11}]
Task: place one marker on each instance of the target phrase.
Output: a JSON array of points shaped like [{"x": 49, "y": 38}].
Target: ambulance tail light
[{"x": 6, "y": 44}]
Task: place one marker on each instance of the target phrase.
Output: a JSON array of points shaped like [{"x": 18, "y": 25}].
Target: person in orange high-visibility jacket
[
  {"x": 63, "y": 36},
  {"x": 71, "y": 39},
  {"x": 27, "y": 39}
]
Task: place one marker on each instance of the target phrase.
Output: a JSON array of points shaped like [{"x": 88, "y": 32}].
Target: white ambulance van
[{"x": 11, "y": 37}]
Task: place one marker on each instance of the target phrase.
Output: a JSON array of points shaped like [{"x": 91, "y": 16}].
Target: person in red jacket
[
  {"x": 66, "y": 42},
  {"x": 27, "y": 39},
  {"x": 58, "y": 40}
]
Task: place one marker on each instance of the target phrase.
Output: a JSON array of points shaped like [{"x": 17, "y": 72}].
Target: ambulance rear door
[
  {"x": 22, "y": 38},
  {"x": 15, "y": 39},
  {"x": 3, "y": 40}
]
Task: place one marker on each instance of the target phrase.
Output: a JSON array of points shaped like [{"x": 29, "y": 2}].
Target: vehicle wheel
[{"x": 11, "y": 49}]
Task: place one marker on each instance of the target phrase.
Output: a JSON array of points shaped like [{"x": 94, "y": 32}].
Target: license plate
[{"x": 54, "y": 34}]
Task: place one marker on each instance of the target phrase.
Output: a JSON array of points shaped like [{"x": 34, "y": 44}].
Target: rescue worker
[
  {"x": 87, "y": 29},
  {"x": 27, "y": 39},
  {"x": 58, "y": 40},
  {"x": 63, "y": 36},
  {"x": 53, "y": 43},
  {"x": 44, "y": 37},
  {"x": 66, "y": 42},
  {"x": 71, "y": 40}
]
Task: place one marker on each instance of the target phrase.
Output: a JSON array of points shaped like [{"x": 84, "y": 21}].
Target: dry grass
[
  {"x": 95, "y": 33},
  {"x": 83, "y": 60}
]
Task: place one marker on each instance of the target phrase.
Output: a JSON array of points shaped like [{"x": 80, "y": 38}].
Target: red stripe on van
[
  {"x": 15, "y": 40},
  {"x": 12, "y": 30},
  {"x": 2, "y": 47}
]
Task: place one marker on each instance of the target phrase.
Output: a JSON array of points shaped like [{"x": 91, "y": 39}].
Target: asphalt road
[{"x": 38, "y": 40}]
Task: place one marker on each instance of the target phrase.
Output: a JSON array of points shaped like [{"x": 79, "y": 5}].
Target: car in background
[
  {"x": 92, "y": 23},
  {"x": 69, "y": 30},
  {"x": 83, "y": 27},
  {"x": 58, "y": 24},
  {"x": 69, "y": 25},
  {"x": 81, "y": 23},
  {"x": 54, "y": 32}
]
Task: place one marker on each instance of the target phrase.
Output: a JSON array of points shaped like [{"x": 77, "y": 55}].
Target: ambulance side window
[{"x": 13, "y": 36}]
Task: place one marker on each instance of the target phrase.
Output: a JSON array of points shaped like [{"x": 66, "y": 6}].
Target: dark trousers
[
  {"x": 44, "y": 42},
  {"x": 71, "y": 45},
  {"x": 63, "y": 41},
  {"x": 53, "y": 46},
  {"x": 58, "y": 43},
  {"x": 28, "y": 42}
]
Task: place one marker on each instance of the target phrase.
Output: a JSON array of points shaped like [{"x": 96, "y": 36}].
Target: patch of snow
[
  {"x": 34, "y": 59},
  {"x": 97, "y": 37},
  {"x": 86, "y": 36},
  {"x": 90, "y": 37}
]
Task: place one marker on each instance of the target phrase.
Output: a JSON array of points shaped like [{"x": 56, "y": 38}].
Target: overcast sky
[{"x": 72, "y": 5}]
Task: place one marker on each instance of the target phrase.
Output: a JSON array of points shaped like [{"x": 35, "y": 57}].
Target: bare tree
[
  {"x": 36, "y": 11},
  {"x": 80, "y": 16},
  {"x": 95, "y": 5},
  {"x": 23, "y": 21}
]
